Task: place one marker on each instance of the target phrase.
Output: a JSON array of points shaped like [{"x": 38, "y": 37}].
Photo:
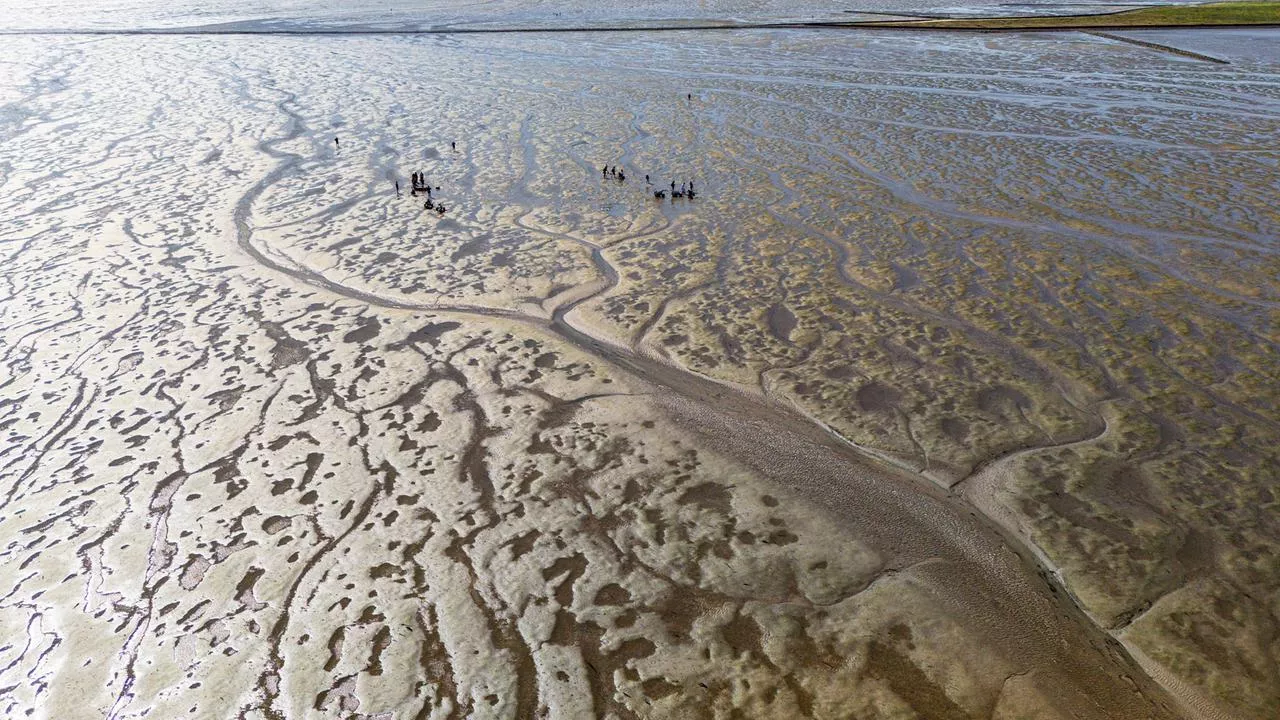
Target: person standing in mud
[
  {"x": 397, "y": 188},
  {"x": 335, "y": 141},
  {"x": 604, "y": 171},
  {"x": 453, "y": 145}
]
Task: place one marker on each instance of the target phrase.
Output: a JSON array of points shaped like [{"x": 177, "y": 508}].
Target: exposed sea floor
[
  {"x": 452, "y": 14},
  {"x": 953, "y": 391}
]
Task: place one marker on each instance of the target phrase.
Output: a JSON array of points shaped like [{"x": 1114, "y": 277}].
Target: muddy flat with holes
[{"x": 940, "y": 381}]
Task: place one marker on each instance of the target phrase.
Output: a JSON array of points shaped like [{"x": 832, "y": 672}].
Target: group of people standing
[
  {"x": 686, "y": 189},
  {"x": 421, "y": 185}
]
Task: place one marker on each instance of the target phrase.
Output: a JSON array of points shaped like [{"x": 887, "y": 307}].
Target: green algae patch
[{"x": 1229, "y": 13}]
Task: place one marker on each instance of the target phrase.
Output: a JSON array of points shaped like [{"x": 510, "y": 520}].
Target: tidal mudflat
[{"x": 953, "y": 393}]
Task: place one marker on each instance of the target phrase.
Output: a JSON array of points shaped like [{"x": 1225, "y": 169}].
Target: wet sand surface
[
  {"x": 452, "y": 14},
  {"x": 953, "y": 393}
]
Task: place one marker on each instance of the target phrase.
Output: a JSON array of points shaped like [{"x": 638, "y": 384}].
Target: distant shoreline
[
  {"x": 1217, "y": 15},
  {"x": 189, "y": 32}
]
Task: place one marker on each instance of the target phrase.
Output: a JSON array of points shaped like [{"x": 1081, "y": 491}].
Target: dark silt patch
[
  {"x": 877, "y": 397},
  {"x": 368, "y": 330},
  {"x": 782, "y": 322}
]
